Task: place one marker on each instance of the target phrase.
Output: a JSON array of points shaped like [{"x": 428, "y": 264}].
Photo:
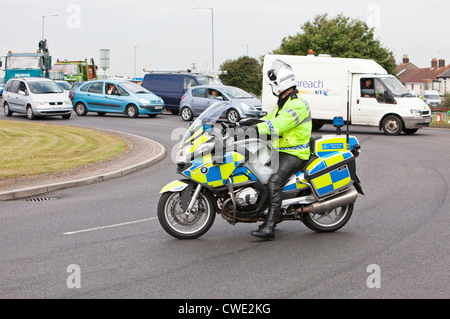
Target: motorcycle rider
[{"x": 290, "y": 121}]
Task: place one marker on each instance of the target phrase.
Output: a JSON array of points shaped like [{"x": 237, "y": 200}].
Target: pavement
[{"x": 142, "y": 153}]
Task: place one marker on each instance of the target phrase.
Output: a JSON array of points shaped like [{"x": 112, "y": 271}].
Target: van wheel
[
  {"x": 7, "y": 110},
  {"x": 66, "y": 116},
  {"x": 30, "y": 114},
  {"x": 132, "y": 111},
  {"x": 233, "y": 116},
  {"x": 392, "y": 125},
  {"x": 186, "y": 114},
  {"x": 174, "y": 112},
  {"x": 317, "y": 125},
  {"x": 80, "y": 109}
]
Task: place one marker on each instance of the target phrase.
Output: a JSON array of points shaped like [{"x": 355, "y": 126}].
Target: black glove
[{"x": 247, "y": 132}]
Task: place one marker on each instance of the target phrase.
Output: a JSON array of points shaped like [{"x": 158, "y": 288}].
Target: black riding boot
[
  {"x": 267, "y": 231},
  {"x": 288, "y": 165}
]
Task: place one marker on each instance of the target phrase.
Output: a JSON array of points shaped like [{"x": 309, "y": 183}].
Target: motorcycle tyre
[
  {"x": 319, "y": 228},
  {"x": 171, "y": 231}
]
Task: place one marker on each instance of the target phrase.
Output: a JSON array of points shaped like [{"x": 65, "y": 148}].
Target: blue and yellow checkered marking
[
  {"x": 242, "y": 175},
  {"x": 296, "y": 186},
  {"x": 204, "y": 171},
  {"x": 332, "y": 181},
  {"x": 328, "y": 161}
]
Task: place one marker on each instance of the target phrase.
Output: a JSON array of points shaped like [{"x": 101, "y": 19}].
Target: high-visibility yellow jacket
[{"x": 292, "y": 124}]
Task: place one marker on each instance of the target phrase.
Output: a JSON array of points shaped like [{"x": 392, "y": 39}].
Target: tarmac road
[{"x": 398, "y": 232}]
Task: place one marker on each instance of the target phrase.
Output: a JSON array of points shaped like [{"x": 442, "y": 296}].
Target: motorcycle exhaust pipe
[{"x": 346, "y": 198}]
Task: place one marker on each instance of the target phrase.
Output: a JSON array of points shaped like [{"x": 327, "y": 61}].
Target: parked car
[
  {"x": 2, "y": 85},
  {"x": 35, "y": 96},
  {"x": 199, "y": 98},
  {"x": 171, "y": 86},
  {"x": 116, "y": 96}
]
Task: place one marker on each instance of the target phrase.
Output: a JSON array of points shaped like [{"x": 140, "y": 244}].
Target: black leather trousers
[{"x": 287, "y": 165}]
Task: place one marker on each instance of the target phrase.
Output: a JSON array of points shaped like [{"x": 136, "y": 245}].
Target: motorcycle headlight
[
  {"x": 182, "y": 154},
  {"x": 205, "y": 147}
]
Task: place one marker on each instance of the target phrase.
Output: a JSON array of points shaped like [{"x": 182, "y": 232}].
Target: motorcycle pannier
[{"x": 331, "y": 174}]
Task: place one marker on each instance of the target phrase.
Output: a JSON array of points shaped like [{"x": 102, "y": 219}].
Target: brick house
[
  {"x": 444, "y": 79},
  {"x": 420, "y": 79}
]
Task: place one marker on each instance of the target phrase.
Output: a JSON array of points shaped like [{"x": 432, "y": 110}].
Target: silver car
[
  {"x": 36, "y": 97},
  {"x": 241, "y": 104}
]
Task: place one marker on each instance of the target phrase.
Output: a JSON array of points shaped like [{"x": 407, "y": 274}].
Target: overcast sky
[{"x": 175, "y": 35}]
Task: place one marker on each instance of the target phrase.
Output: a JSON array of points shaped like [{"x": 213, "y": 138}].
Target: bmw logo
[{"x": 204, "y": 170}]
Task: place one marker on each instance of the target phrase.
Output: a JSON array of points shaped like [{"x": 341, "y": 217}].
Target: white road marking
[{"x": 108, "y": 226}]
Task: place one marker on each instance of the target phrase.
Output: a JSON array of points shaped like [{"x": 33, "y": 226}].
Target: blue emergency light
[
  {"x": 338, "y": 122},
  {"x": 207, "y": 127}
]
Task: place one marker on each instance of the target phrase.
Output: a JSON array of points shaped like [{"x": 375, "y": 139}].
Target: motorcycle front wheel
[
  {"x": 178, "y": 224},
  {"x": 328, "y": 221}
]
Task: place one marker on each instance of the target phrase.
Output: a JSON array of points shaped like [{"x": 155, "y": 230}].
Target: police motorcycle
[{"x": 227, "y": 175}]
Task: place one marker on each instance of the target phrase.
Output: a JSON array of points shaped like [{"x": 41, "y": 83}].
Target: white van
[
  {"x": 34, "y": 97},
  {"x": 431, "y": 97},
  {"x": 337, "y": 87}
]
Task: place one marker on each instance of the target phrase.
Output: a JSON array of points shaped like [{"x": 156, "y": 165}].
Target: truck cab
[
  {"x": 386, "y": 103},
  {"x": 23, "y": 65}
]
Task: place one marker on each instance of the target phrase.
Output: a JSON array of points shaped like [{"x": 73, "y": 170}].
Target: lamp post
[
  {"x": 136, "y": 46},
  {"x": 44, "y": 16},
  {"x": 212, "y": 31}
]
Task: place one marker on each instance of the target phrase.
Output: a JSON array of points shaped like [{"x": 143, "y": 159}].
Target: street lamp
[
  {"x": 212, "y": 30},
  {"x": 136, "y": 46},
  {"x": 49, "y": 15}
]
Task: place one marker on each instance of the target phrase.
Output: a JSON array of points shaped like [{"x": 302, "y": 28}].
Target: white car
[{"x": 36, "y": 97}]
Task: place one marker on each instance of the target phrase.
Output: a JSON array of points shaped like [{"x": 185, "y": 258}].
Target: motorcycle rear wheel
[
  {"x": 328, "y": 221},
  {"x": 176, "y": 223}
]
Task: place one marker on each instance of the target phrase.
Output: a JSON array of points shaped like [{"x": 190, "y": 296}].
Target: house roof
[
  {"x": 445, "y": 74},
  {"x": 419, "y": 75}
]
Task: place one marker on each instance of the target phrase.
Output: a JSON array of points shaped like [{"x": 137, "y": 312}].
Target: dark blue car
[{"x": 112, "y": 96}]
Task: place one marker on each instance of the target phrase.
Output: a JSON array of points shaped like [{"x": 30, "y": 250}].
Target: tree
[
  {"x": 446, "y": 101},
  {"x": 339, "y": 37},
  {"x": 244, "y": 72}
]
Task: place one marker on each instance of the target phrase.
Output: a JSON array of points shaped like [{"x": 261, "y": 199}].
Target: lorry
[
  {"x": 336, "y": 87},
  {"x": 36, "y": 64},
  {"x": 75, "y": 71}
]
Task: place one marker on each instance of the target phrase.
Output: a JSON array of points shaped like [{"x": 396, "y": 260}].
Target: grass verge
[{"x": 32, "y": 149}]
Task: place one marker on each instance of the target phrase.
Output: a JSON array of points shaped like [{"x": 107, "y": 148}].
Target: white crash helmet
[{"x": 280, "y": 77}]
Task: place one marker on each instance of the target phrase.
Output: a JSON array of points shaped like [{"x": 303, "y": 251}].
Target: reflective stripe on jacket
[{"x": 292, "y": 124}]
